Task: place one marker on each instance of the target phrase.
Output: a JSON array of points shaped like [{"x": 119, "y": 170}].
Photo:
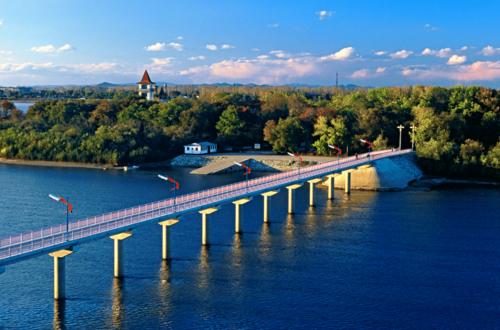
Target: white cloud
[
  {"x": 278, "y": 53},
  {"x": 95, "y": 67},
  {"x": 262, "y": 71},
  {"x": 490, "y": 51},
  {"x": 26, "y": 66},
  {"x": 1, "y": 22},
  {"x": 380, "y": 70},
  {"x": 263, "y": 57},
  {"x": 211, "y": 47},
  {"x": 50, "y": 49},
  {"x": 162, "y": 61},
  {"x": 324, "y": 14},
  {"x": 477, "y": 71},
  {"x": 273, "y": 25},
  {"x": 176, "y": 46},
  {"x": 464, "y": 48},
  {"x": 197, "y": 58},
  {"x": 65, "y": 48},
  {"x": 401, "y": 54},
  {"x": 380, "y": 53},
  {"x": 226, "y": 46},
  {"x": 442, "y": 53},
  {"x": 341, "y": 55},
  {"x": 456, "y": 59},
  {"x": 430, "y": 27},
  {"x": 363, "y": 73},
  {"x": 5, "y": 52},
  {"x": 156, "y": 47},
  {"x": 180, "y": 38},
  {"x": 255, "y": 49}
]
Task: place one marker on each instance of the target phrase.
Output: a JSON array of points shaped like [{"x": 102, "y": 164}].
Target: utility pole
[
  {"x": 336, "y": 80},
  {"x": 400, "y": 132}
]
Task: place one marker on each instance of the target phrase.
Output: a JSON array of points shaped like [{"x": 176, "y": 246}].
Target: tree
[
  {"x": 230, "y": 127},
  {"x": 381, "y": 143},
  {"x": 287, "y": 135},
  {"x": 329, "y": 132}
]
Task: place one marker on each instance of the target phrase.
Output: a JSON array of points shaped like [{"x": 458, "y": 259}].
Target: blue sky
[{"x": 370, "y": 43}]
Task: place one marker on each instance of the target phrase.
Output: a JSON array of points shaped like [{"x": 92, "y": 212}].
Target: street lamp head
[
  {"x": 238, "y": 164},
  {"x": 164, "y": 178},
  {"x": 55, "y": 198},
  {"x": 401, "y": 127},
  {"x": 291, "y": 154}
]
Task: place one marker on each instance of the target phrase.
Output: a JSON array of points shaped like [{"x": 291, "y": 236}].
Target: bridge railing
[{"x": 103, "y": 223}]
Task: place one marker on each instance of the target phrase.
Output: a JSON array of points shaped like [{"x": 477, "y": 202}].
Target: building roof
[
  {"x": 202, "y": 144},
  {"x": 145, "y": 78}
]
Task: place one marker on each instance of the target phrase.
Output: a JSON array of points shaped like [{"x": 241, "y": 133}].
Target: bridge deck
[{"x": 25, "y": 245}]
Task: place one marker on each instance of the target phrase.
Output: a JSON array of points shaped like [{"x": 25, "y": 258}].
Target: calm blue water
[{"x": 410, "y": 259}]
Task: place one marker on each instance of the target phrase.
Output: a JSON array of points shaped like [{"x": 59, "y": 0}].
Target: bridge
[{"x": 58, "y": 241}]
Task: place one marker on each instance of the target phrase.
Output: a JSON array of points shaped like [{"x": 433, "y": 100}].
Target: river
[{"x": 410, "y": 259}]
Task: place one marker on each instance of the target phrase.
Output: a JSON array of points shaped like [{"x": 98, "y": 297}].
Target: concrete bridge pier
[
  {"x": 330, "y": 184},
  {"x": 60, "y": 273},
  {"x": 165, "y": 235},
  {"x": 204, "y": 224},
  {"x": 311, "y": 190},
  {"x": 266, "y": 196},
  {"x": 347, "y": 182},
  {"x": 290, "y": 196},
  {"x": 237, "y": 224},
  {"x": 118, "y": 255}
]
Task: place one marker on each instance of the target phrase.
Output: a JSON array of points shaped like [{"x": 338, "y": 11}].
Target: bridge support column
[
  {"x": 60, "y": 273},
  {"x": 311, "y": 190},
  {"x": 204, "y": 224},
  {"x": 347, "y": 182},
  {"x": 237, "y": 224},
  {"x": 266, "y": 196},
  {"x": 290, "y": 196},
  {"x": 330, "y": 184},
  {"x": 118, "y": 255},
  {"x": 165, "y": 234}
]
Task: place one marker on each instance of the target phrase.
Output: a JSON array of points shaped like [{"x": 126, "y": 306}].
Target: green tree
[
  {"x": 230, "y": 127},
  {"x": 329, "y": 132},
  {"x": 287, "y": 135}
]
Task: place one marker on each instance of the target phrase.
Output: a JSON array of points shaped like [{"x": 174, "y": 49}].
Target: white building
[
  {"x": 147, "y": 87},
  {"x": 200, "y": 148}
]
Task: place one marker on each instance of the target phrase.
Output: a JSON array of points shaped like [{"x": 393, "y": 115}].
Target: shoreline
[
  {"x": 52, "y": 163},
  {"x": 426, "y": 182}
]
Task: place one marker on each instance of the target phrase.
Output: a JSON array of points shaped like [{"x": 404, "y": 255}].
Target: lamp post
[
  {"x": 248, "y": 170},
  {"x": 339, "y": 151},
  {"x": 175, "y": 188},
  {"x": 413, "y": 127},
  {"x": 69, "y": 209},
  {"x": 400, "y": 127},
  {"x": 300, "y": 160},
  {"x": 369, "y": 144}
]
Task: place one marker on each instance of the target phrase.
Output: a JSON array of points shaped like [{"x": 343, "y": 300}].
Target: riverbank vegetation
[{"x": 456, "y": 128}]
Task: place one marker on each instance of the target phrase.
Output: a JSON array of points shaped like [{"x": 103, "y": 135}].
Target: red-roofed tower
[{"x": 147, "y": 87}]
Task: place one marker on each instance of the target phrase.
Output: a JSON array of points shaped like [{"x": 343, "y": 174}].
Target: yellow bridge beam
[
  {"x": 118, "y": 255},
  {"x": 60, "y": 273},
  {"x": 266, "y": 196},
  {"x": 290, "y": 196},
  {"x": 237, "y": 227},
  {"x": 204, "y": 224},
  {"x": 311, "y": 190},
  {"x": 165, "y": 241}
]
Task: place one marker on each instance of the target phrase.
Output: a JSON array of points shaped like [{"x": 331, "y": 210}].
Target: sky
[{"x": 368, "y": 42}]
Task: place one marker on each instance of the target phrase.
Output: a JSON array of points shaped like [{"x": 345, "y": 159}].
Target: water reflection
[
  {"x": 265, "y": 240},
  {"x": 311, "y": 221},
  {"x": 117, "y": 304},
  {"x": 203, "y": 269},
  {"x": 290, "y": 231},
  {"x": 164, "y": 288},
  {"x": 59, "y": 314},
  {"x": 236, "y": 252}
]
